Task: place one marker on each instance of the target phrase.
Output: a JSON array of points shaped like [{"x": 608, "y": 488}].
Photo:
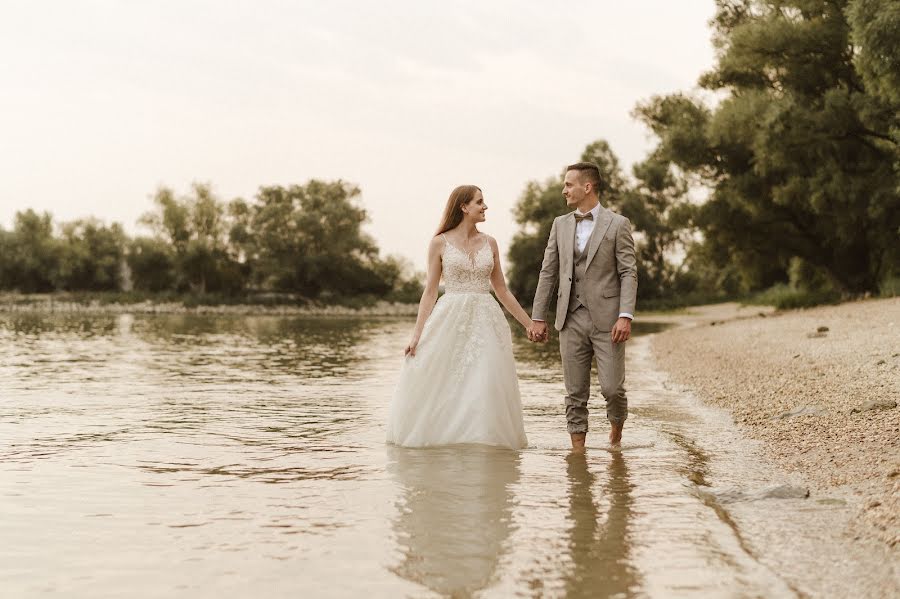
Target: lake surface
[{"x": 207, "y": 456}]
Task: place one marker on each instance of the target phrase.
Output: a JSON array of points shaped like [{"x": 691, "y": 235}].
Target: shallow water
[{"x": 243, "y": 456}]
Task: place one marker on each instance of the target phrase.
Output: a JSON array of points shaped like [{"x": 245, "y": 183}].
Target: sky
[{"x": 103, "y": 102}]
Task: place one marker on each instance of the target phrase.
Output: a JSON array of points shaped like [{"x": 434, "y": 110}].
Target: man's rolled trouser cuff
[{"x": 575, "y": 429}]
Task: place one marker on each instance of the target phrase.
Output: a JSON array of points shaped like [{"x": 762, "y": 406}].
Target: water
[{"x": 165, "y": 456}]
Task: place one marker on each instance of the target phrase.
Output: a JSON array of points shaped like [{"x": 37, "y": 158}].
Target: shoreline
[
  {"x": 47, "y": 303},
  {"x": 818, "y": 387}
]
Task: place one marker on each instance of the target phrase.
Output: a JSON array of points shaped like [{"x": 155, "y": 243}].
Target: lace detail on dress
[{"x": 463, "y": 274}]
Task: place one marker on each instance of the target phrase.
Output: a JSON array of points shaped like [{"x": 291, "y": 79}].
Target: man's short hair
[{"x": 589, "y": 172}]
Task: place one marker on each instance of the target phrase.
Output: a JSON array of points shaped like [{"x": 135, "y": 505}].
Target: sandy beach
[{"x": 819, "y": 387}]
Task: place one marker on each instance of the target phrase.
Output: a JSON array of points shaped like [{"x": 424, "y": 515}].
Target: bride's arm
[
  {"x": 498, "y": 284},
  {"x": 429, "y": 295}
]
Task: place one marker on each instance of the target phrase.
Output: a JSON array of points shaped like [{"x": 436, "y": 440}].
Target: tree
[
  {"x": 875, "y": 32},
  {"x": 29, "y": 259},
  {"x": 799, "y": 154},
  {"x": 152, "y": 264},
  {"x": 90, "y": 256},
  {"x": 196, "y": 227},
  {"x": 661, "y": 217},
  {"x": 308, "y": 239}
]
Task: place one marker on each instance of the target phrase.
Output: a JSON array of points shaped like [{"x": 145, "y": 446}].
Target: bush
[
  {"x": 890, "y": 287},
  {"x": 785, "y": 297}
]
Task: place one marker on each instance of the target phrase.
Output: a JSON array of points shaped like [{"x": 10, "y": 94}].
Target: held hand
[
  {"x": 411, "y": 347},
  {"x": 621, "y": 331},
  {"x": 538, "y": 332}
]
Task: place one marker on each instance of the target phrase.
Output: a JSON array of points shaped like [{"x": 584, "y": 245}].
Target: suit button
[
  {"x": 576, "y": 296},
  {"x": 570, "y": 278},
  {"x": 577, "y": 279}
]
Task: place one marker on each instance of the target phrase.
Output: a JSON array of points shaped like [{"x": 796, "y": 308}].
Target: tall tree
[
  {"x": 152, "y": 264},
  {"x": 308, "y": 239},
  {"x": 196, "y": 226},
  {"x": 799, "y": 154},
  {"x": 90, "y": 256},
  {"x": 29, "y": 254}
]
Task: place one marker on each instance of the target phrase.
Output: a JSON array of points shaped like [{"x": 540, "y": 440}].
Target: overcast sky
[{"x": 101, "y": 102}]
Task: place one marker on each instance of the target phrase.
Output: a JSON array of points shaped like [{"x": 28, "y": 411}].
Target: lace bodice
[{"x": 465, "y": 274}]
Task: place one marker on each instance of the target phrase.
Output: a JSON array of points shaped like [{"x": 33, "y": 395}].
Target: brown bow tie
[{"x": 581, "y": 217}]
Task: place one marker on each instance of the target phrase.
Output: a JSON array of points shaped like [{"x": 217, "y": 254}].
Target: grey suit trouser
[{"x": 579, "y": 343}]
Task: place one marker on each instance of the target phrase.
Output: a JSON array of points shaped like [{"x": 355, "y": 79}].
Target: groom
[{"x": 590, "y": 254}]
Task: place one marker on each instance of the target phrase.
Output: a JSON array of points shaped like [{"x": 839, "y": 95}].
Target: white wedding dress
[{"x": 461, "y": 386}]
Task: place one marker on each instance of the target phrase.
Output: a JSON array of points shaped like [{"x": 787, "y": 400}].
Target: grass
[
  {"x": 890, "y": 287},
  {"x": 785, "y": 297}
]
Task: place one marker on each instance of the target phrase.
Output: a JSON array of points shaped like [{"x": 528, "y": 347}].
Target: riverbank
[
  {"x": 86, "y": 304},
  {"x": 819, "y": 387}
]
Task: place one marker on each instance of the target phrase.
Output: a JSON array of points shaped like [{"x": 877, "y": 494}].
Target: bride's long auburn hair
[{"x": 453, "y": 213}]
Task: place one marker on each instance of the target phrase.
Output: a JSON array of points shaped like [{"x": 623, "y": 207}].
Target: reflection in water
[
  {"x": 600, "y": 550},
  {"x": 454, "y": 517}
]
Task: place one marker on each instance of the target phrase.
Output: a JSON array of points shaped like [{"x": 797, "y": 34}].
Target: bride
[{"x": 458, "y": 383}]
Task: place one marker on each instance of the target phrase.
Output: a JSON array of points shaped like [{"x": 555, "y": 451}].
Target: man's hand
[
  {"x": 538, "y": 332},
  {"x": 621, "y": 331}
]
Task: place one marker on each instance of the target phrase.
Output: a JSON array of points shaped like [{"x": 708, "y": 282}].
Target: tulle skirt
[{"x": 461, "y": 386}]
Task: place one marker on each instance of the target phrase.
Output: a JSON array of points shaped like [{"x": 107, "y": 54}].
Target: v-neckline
[{"x": 471, "y": 257}]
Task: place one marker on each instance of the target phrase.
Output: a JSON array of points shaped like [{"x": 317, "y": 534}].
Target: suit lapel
[
  {"x": 603, "y": 221},
  {"x": 567, "y": 235}
]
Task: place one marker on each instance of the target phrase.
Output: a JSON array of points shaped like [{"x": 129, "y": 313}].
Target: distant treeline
[
  {"x": 800, "y": 157},
  {"x": 304, "y": 240}
]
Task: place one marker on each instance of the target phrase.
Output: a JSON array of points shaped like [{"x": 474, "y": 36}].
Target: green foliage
[
  {"x": 91, "y": 256},
  {"x": 890, "y": 287},
  {"x": 786, "y": 297},
  {"x": 152, "y": 264},
  {"x": 660, "y": 215},
  {"x": 309, "y": 239},
  {"x": 875, "y": 32},
  {"x": 303, "y": 241},
  {"x": 800, "y": 155},
  {"x": 29, "y": 254},
  {"x": 196, "y": 228}
]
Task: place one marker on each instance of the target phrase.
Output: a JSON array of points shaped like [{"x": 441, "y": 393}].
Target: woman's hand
[
  {"x": 411, "y": 347},
  {"x": 538, "y": 332}
]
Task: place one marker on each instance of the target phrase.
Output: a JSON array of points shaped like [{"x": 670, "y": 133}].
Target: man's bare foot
[
  {"x": 615, "y": 433},
  {"x": 578, "y": 442}
]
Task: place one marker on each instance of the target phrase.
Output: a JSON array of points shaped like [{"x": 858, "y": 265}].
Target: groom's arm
[
  {"x": 548, "y": 279},
  {"x": 626, "y": 264}
]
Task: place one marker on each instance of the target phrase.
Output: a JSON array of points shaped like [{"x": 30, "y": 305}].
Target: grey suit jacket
[{"x": 611, "y": 273}]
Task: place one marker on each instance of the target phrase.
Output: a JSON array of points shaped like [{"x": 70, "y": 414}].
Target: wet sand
[{"x": 818, "y": 387}]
